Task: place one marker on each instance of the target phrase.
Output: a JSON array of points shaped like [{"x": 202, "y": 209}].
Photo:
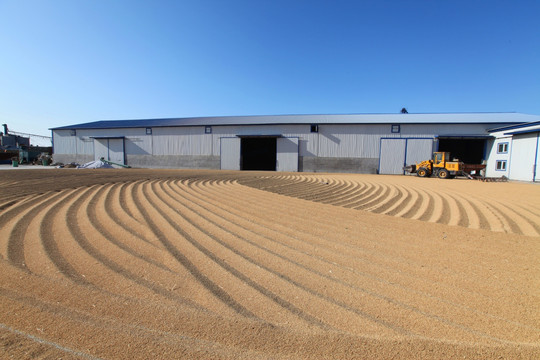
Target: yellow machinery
[{"x": 440, "y": 166}]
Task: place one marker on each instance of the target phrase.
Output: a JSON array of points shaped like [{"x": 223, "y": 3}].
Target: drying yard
[{"x": 141, "y": 264}]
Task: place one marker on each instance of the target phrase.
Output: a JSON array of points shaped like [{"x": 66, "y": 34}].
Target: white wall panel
[
  {"x": 494, "y": 156},
  {"x": 522, "y": 157}
]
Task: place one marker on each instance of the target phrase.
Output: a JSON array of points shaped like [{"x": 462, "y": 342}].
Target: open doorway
[
  {"x": 258, "y": 153},
  {"x": 468, "y": 150}
]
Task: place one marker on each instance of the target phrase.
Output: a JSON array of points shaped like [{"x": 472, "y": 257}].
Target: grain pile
[{"x": 138, "y": 264}]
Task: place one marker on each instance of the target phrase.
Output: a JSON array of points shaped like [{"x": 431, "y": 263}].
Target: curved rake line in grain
[
  {"x": 385, "y": 298},
  {"x": 356, "y": 189},
  {"x": 328, "y": 190},
  {"x": 382, "y": 192},
  {"x": 446, "y": 321},
  {"x": 517, "y": 224},
  {"x": 462, "y": 211},
  {"x": 442, "y": 207},
  {"x": 395, "y": 196},
  {"x": 308, "y": 187},
  {"x": 295, "y": 187},
  {"x": 493, "y": 220},
  {"x": 15, "y": 246},
  {"x": 371, "y": 191},
  {"x": 382, "y": 297},
  {"x": 214, "y": 288},
  {"x": 329, "y": 262},
  {"x": 363, "y": 189},
  {"x": 86, "y": 245},
  {"x": 7, "y": 204},
  {"x": 230, "y": 269},
  {"x": 191, "y": 199},
  {"x": 120, "y": 250},
  {"x": 121, "y": 213},
  {"x": 322, "y": 220},
  {"x": 106, "y": 231},
  {"x": 197, "y": 208},
  {"x": 533, "y": 219},
  {"x": 338, "y": 193},
  {"x": 49, "y": 242}
]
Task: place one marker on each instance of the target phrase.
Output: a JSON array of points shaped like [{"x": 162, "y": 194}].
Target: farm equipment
[
  {"x": 439, "y": 166},
  {"x": 113, "y": 163}
]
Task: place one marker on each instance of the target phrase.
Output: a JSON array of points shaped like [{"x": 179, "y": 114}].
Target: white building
[
  {"x": 515, "y": 152},
  {"x": 361, "y": 143}
]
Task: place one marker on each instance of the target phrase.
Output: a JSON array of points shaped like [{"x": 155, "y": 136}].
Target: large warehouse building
[{"x": 359, "y": 143}]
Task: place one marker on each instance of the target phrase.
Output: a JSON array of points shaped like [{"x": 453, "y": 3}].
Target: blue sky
[{"x": 74, "y": 61}]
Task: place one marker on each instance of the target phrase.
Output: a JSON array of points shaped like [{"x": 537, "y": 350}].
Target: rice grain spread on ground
[{"x": 185, "y": 264}]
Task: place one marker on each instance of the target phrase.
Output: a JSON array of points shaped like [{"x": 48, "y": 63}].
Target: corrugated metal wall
[
  {"x": 418, "y": 150},
  {"x": 287, "y": 154},
  {"x": 359, "y": 141},
  {"x": 230, "y": 153},
  {"x": 392, "y": 155}
]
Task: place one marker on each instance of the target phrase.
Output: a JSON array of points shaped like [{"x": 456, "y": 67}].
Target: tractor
[{"x": 439, "y": 166}]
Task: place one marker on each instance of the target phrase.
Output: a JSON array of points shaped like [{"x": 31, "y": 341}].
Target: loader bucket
[{"x": 410, "y": 168}]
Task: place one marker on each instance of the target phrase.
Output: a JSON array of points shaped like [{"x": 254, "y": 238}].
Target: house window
[
  {"x": 148, "y": 131},
  {"x": 502, "y": 148},
  {"x": 396, "y": 129},
  {"x": 314, "y": 128},
  {"x": 500, "y": 165},
  {"x": 73, "y": 132},
  {"x": 207, "y": 129}
]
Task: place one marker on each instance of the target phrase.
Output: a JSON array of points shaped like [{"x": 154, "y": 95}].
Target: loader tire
[
  {"x": 443, "y": 174},
  {"x": 422, "y": 172}
]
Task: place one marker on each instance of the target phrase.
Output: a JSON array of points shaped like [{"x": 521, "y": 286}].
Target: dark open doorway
[
  {"x": 470, "y": 151},
  {"x": 258, "y": 153}
]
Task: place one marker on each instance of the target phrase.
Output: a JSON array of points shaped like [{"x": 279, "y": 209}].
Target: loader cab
[{"x": 439, "y": 158}]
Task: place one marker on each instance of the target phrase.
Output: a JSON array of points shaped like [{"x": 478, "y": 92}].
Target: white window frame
[
  {"x": 504, "y": 146},
  {"x": 500, "y": 165}
]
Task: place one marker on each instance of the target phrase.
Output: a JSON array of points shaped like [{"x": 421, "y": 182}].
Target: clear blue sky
[{"x": 73, "y": 61}]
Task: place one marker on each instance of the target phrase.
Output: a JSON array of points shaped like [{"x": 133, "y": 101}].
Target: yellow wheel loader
[{"x": 439, "y": 166}]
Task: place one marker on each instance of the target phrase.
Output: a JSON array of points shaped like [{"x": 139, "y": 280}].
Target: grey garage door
[
  {"x": 398, "y": 152},
  {"x": 287, "y": 154},
  {"x": 230, "y": 153},
  {"x": 111, "y": 149},
  {"x": 392, "y": 158}
]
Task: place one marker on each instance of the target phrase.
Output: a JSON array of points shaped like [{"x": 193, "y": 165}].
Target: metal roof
[
  {"x": 532, "y": 129},
  {"x": 437, "y": 118},
  {"x": 518, "y": 126}
]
